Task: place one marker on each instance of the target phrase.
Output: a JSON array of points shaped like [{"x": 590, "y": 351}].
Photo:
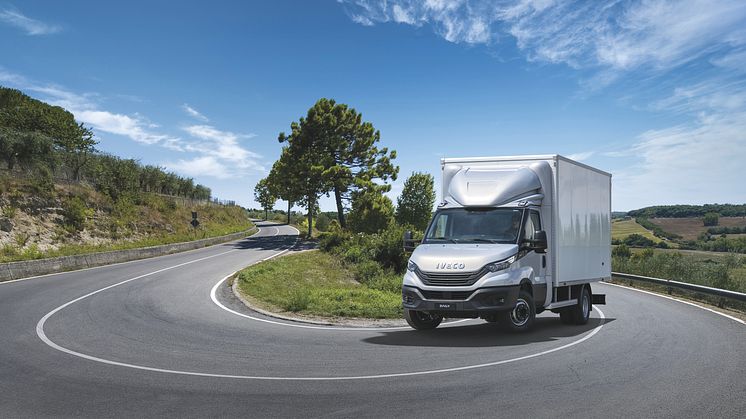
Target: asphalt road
[{"x": 147, "y": 339}]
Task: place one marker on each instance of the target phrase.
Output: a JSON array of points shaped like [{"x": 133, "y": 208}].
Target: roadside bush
[
  {"x": 677, "y": 267},
  {"x": 388, "y": 248},
  {"x": 638, "y": 240},
  {"x": 322, "y": 222},
  {"x": 333, "y": 238},
  {"x": 387, "y": 282},
  {"x": 371, "y": 212},
  {"x": 366, "y": 271},
  {"x": 621, "y": 251},
  {"x": 75, "y": 213}
]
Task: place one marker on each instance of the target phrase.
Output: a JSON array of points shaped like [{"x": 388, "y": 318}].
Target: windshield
[{"x": 475, "y": 225}]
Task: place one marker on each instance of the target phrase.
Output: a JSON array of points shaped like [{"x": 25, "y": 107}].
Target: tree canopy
[
  {"x": 339, "y": 153},
  {"x": 264, "y": 196},
  {"x": 415, "y": 204}
]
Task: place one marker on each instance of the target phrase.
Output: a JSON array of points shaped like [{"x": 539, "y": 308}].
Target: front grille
[
  {"x": 450, "y": 279},
  {"x": 446, "y": 295}
]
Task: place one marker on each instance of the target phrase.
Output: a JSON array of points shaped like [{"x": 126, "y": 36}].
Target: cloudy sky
[{"x": 652, "y": 91}]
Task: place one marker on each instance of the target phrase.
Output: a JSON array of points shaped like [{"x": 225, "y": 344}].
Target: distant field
[
  {"x": 691, "y": 228},
  {"x": 623, "y": 228}
]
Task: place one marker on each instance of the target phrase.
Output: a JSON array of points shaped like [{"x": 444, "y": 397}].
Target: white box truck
[{"x": 512, "y": 237}]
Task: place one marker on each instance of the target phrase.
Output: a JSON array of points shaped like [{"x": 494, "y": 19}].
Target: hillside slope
[{"x": 74, "y": 219}]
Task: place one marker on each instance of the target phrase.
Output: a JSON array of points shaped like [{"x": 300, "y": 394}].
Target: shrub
[
  {"x": 371, "y": 212},
  {"x": 322, "y": 222},
  {"x": 638, "y": 240},
  {"x": 21, "y": 239},
  {"x": 711, "y": 219},
  {"x": 9, "y": 211},
  {"x": 75, "y": 212},
  {"x": 366, "y": 271},
  {"x": 621, "y": 251},
  {"x": 332, "y": 239}
]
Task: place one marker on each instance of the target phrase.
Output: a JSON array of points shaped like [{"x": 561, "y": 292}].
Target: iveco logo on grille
[{"x": 445, "y": 265}]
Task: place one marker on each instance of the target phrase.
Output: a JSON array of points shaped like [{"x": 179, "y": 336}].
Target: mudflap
[{"x": 598, "y": 299}]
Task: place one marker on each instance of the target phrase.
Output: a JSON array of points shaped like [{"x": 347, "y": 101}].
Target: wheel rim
[
  {"x": 520, "y": 313},
  {"x": 586, "y": 306}
]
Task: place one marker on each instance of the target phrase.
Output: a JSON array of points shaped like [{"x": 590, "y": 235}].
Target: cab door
[{"x": 538, "y": 261}]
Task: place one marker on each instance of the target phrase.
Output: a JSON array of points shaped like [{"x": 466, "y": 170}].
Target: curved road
[{"x": 146, "y": 338}]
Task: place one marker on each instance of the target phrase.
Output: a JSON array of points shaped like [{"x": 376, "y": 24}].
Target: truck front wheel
[
  {"x": 522, "y": 316},
  {"x": 422, "y": 320}
]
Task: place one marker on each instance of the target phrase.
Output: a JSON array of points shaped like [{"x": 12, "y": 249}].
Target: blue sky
[{"x": 652, "y": 91}]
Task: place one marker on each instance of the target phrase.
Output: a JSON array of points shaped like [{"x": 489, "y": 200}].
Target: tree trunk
[
  {"x": 265, "y": 214},
  {"x": 290, "y": 205},
  {"x": 340, "y": 208},
  {"x": 310, "y": 218}
]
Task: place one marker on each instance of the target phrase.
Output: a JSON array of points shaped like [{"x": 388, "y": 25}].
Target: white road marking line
[
  {"x": 679, "y": 300},
  {"x": 42, "y": 335},
  {"x": 342, "y": 378}
]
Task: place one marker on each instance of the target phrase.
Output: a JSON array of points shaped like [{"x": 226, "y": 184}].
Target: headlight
[
  {"x": 501, "y": 265},
  {"x": 411, "y": 266}
]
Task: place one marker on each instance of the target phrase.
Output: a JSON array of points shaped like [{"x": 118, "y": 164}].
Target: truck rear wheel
[
  {"x": 579, "y": 313},
  {"x": 422, "y": 320},
  {"x": 522, "y": 316}
]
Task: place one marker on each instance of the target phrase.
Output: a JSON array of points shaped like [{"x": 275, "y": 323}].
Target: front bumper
[{"x": 480, "y": 301}]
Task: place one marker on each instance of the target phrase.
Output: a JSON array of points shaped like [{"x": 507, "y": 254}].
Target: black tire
[
  {"x": 521, "y": 317},
  {"x": 422, "y": 320},
  {"x": 580, "y": 312}
]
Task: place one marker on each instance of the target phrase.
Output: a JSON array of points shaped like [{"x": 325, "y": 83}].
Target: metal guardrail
[{"x": 685, "y": 286}]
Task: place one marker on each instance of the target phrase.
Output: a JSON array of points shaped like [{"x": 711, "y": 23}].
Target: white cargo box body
[{"x": 575, "y": 210}]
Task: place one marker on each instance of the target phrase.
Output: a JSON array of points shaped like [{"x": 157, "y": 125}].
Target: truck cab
[{"x": 491, "y": 249}]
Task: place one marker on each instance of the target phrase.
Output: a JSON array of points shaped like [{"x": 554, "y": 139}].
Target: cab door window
[{"x": 533, "y": 224}]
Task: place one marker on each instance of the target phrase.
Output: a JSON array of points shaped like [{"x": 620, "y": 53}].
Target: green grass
[{"x": 317, "y": 283}]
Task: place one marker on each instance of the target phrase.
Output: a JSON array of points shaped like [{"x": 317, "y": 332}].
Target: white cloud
[
  {"x": 213, "y": 152},
  {"x": 401, "y": 15},
  {"x": 30, "y": 26},
  {"x": 362, "y": 20},
  {"x": 202, "y": 166},
  {"x": 455, "y": 20},
  {"x": 223, "y": 147},
  {"x": 194, "y": 113},
  {"x": 621, "y": 35}
]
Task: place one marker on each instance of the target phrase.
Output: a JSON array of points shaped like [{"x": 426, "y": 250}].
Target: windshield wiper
[
  {"x": 443, "y": 239},
  {"x": 481, "y": 240}
]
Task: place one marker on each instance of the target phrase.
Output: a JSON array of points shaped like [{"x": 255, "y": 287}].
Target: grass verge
[{"x": 317, "y": 283}]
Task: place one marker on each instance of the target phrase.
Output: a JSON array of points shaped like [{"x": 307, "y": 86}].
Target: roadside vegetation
[
  {"x": 316, "y": 283},
  {"x": 60, "y": 196}
]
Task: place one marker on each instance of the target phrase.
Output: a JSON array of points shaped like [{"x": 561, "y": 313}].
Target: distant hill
[{"x": 685, "y": 211}]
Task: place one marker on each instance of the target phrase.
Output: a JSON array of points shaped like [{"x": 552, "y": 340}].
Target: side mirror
[
  {"x": 539, "y": 243},
  {"x": 409, "y": 243}
]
